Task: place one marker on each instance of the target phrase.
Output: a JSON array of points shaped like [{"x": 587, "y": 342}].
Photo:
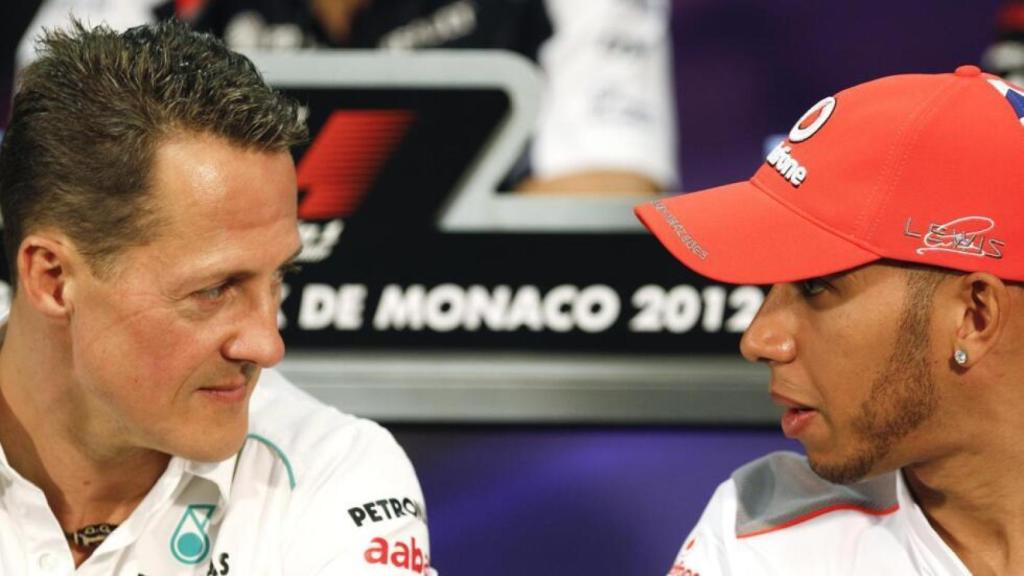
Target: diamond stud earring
[{"x": 960, "y": 357}]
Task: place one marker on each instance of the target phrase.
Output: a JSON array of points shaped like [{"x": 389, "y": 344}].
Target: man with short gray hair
[{"x": 149, "y": 200}]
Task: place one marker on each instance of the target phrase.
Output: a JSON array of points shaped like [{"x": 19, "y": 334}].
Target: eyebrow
[
  {"x": 291, "y": 259},
  {"x": 239, "y": 274},
  {"x": 844, "y": 275},
  {"x": 825, "y": 277}
]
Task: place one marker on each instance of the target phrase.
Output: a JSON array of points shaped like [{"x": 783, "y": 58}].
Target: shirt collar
[{"x": 220, "y": 473}]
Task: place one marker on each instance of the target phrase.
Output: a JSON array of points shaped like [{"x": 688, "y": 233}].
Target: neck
[
  {"x": 972, "y": 499},
  {"x": 86, "y": 477}
]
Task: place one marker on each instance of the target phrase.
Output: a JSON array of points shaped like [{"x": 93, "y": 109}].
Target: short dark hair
[{"x": 90, "y": 113}]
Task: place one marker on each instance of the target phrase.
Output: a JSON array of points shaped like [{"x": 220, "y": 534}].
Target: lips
[
  {"x": 788, "y": 403},
  {"x": 232, "y": 391},
  {"x": 234, "y": 394},
  {"x": 795, "y": 422},
  {"x": 797, "y": 416}
]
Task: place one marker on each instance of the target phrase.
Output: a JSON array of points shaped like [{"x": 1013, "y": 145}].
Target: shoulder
[
  {"x": 776, "y": 509},
  {"x": 780, "y": 490},
  {"x": 339, "y": 488},
  {"x": 311, "y": 440}
]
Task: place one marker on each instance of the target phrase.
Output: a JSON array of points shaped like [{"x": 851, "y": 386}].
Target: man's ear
[
  {"x": 46, "y": 263},
  {"x": 984, "y": 301}
]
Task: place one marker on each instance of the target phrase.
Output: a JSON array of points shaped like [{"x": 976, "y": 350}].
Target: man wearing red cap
[{"x": 889, "y": 224}]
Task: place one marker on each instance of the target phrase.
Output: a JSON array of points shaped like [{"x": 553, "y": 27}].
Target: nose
[
  {"x": 257, "y": 339},
  {"x": 769, "y": 338}
]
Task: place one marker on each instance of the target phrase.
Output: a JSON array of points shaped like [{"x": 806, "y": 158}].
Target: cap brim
[{"x": 739, "y": 234}]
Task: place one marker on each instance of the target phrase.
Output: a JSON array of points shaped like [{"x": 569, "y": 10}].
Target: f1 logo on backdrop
[
  {"x": 338, "y": 169},
  {"x": 345, "y": 158}
]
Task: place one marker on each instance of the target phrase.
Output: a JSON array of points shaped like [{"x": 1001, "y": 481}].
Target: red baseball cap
[{"x": 924, "y": 168}]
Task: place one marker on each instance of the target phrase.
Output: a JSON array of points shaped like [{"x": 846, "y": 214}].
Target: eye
[
  {"x": 212, "y": 294},
  {"x": 288, "y": 270},
  {"x": 812, "y": 286}
]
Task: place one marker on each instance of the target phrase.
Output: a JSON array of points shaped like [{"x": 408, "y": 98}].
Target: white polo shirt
[
  {"x": 312, "y": 492},
  {"x": 775, "y": 516},
  {"x": 607, "y": 100}
]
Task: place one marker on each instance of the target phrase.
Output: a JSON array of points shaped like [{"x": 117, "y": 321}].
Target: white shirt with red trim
[
  {"x": 312, "y": 492},
  {"x": 775, "y": 516}
]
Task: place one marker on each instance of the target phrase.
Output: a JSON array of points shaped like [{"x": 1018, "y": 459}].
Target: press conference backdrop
[
  {"x": 590, "y": 498},
  {"x": 430, "y": 294},
  {"x": 570, "y": 396}
]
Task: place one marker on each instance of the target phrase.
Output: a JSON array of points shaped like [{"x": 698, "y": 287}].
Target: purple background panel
[
  {"x": 746, "y": 69},
  {"x": 561, "y": 501}
]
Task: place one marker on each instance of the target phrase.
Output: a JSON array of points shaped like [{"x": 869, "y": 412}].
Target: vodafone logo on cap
[{"x": 812, "y": 120}]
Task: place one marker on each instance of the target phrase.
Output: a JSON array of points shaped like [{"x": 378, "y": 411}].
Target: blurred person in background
[
  {"x": 607, "y": 117},
  {"x": 149, "y": 203},
  {"x": 24, "y": 22},
  {"x": 1005, "y": 56},
  {"x": 117, "y": 14},
  {"x": 607, "y": 120}
]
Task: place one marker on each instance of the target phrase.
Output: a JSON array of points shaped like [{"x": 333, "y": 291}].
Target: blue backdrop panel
[
  {"x": 558, "y": 501},
  {"x": 749, "y": 68}
]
